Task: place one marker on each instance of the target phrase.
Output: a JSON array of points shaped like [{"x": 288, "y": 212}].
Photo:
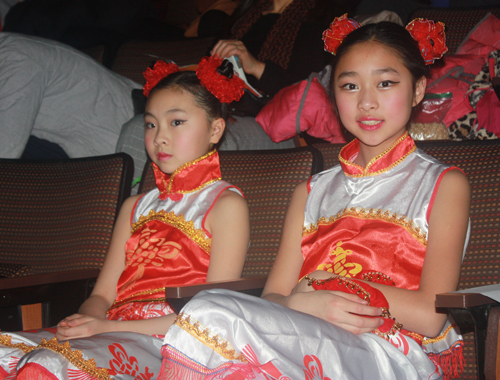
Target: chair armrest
[
  {"x": 47, "y": 278},
  {"x": 474, "y": 311},
  {"x": 178, "y": 296},
  {"x": 60, "y": 293},
  {"x": 462, "y": 300}
]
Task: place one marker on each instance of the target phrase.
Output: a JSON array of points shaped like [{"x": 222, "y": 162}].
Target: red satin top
[
  {"x": 169, "y": 245},
  {"x": 363, "y": 236}
]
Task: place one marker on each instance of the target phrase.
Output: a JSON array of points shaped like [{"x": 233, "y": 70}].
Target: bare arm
[
  {"x": 281, "y": 287},
  {"x": 104, "y": 293},
  {"x": 443, "y": 259},
  {"x": 229, "y": 224}
]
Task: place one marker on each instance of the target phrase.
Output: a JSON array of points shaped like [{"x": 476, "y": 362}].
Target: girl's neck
[{"x": 278, "y": 6}]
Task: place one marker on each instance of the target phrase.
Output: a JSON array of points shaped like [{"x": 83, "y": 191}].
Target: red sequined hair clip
[
  {"x": 337, "y": 31},
  {"x": 160, "y": 70},
  {"x": 223, "y": 88},
  {"x": 430, "y": 37}
]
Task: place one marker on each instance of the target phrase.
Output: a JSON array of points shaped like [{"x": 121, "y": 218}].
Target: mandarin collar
[
  {"x": 188, "y": 178},
  {"x": 391, "y": 157}
]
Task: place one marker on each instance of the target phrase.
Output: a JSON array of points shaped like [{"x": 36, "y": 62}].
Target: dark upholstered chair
[
  {"x": 480, "y": 160},
  {"x": 458, "y": 21},
  {"x": 56, "y": 220},
  {"x": 267, "y": 178}
]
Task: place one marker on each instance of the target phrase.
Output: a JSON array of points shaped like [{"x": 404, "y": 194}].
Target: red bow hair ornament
[
  {"x": 337, "y": 31},
  {"x": 223, "y": 88},
  {"x": 160, "y": 70},
  {"x": 430, "y": 37}
]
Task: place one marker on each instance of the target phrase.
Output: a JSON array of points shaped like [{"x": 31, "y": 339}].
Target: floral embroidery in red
[
  {"x": 314, "y": 368},
  {"x": 124, "y": 364}
]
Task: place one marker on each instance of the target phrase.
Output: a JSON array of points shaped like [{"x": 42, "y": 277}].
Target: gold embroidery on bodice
[{"x": 340, "y": 265}]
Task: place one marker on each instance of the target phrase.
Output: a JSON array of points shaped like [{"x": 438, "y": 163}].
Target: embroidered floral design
[
  {"x": 269, "y": 368},
  {"x": 337, "y": 31},
  {"x": 197, "y": 235},
  {"x": 399, "y": 341},
  {"x": 142, "y": 310},
  {"x": 430, "y": 37},
  {"x": 149, "y": 251},
  {"x": 340, "y": 266},
  {"x": 314, "y": 368},
  {"x": 123, "y": 364}
]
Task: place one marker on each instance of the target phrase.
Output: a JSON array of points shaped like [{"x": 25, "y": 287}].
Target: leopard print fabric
[{"x": 467, "y": 127}]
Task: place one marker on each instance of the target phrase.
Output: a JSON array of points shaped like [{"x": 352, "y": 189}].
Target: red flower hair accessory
[
  {"x": 430, "y": 37},
  {"x": 337, "y": 31},
  {"x": 160, "y": 70},
  {"x": 223, "y": 88}
]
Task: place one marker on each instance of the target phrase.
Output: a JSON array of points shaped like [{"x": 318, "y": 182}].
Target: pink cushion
[{"x": 278, "y": 117}]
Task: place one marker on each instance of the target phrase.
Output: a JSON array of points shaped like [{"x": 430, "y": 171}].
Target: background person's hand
[{"x": 228, "y": 48}]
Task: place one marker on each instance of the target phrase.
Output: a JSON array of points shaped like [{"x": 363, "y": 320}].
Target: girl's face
[
  {"x": 374, "y": 95},
  {"x": 177, "y": 130}
]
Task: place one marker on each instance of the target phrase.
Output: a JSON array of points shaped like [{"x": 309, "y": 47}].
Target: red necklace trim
[
  {"x": 188, "y": 178},
  {"x": 379, "y": 164}
]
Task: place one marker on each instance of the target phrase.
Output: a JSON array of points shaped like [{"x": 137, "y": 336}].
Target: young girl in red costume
[
  {"x": 192, "y": 228},
  {"x": 366, "y": 245}
]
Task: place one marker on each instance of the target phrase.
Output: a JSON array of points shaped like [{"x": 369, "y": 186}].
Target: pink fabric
[
  {"x": 278, "y": 117},
  {"x": 471, "y": 56},
  {"x": 484, "y": 39},
  {"x": 488, "y": 110}
]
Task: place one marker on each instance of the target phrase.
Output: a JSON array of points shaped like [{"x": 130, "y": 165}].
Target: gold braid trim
[
  {"x": 365, "y": 172},
  {"x": 182, "y": 167},
  {"x": 6, "y": 340},
  {"x": 440, "y": 337},
  {"x": 75, "y": 357},
  {"x": 371, "y": 214},
  {"x": 197, "y": 235},
  {"x": 128, "y": 300},
  {"x": 209, "y": 339}
]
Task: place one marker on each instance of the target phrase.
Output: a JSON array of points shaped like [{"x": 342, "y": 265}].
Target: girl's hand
[
  {"x": 345, "y": 310},
  {"x": 80, "y": 326},
  {"x": 228, "y": 48}
]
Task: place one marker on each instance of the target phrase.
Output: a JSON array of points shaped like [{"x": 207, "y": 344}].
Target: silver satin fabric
[
  {"x": 270, "y": 333},
  {"x": 405, "y": 189},
  {"x": 136, "y": 353},
  {"x": 193, "y": 206}
]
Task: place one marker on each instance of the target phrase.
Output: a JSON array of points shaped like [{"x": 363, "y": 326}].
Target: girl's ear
[
  {"x": 218, "y": 127},
  {"x": 420, "y": 87}
]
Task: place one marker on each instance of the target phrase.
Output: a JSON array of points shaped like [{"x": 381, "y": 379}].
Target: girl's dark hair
[
  {"x": 394, "y": 37},
  {"x": 188, "y": 81}
]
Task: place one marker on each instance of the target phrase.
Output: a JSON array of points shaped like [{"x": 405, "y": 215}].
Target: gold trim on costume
[
  {"x": 365, "y": 172},
  {"x": 440, "y": 337},
  {"x": 75, "y": 357},
  {"x": 371, "y": 214},
  {"x": 168, "y": 186},
  {"x": 6, "y": 340},
  {"x": 197, "y": 235},
  {"x": 128, "y": 299},
  {"x": 209, "y": 339}
]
